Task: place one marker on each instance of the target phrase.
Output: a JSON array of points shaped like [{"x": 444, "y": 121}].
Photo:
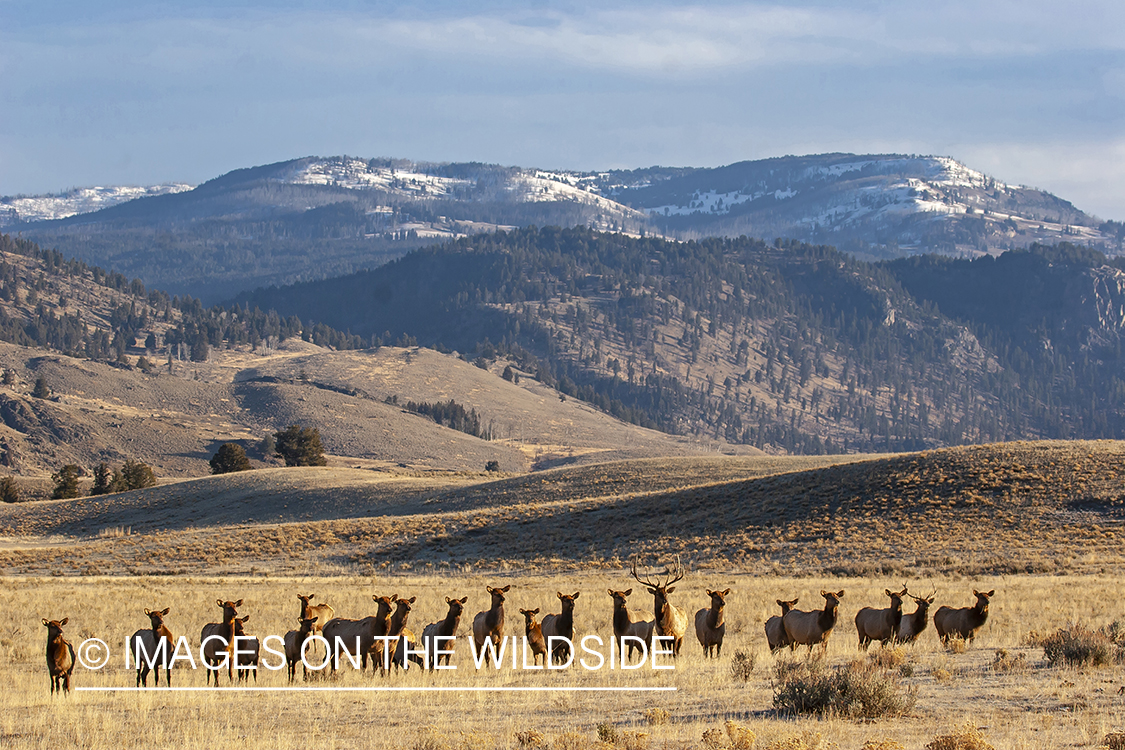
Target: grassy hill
[{"x": 1005, "y": 508}]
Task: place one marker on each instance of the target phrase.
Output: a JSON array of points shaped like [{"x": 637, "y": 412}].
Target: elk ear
[
  {"x": 166, "y": 610},
  {"x": 840, "y": 593},
  {"x": 448, "y": 600},
  {"x": 238, "y": 603},
  {"x": 651, "y": 591},
  {"x": 670, "y": 589},
  {"x": 65, "y": 620},
  {"x": 488, "y": 589},
  {"x": 220, "y": 602},
  {"x": 243, "y": 620},
  {"x": 628, "y": 591},
  {"x": 610, "y": 591},
  {"x": 726, "y": 593},
  {"x": 931, "y": 599},
  {"x": 710, "y": 592},
  {"x": 781, "y": 603},
  {"x": 559, "y": 594},
  {"x": 824, "y": 593},
  {"x": 576, "y": 593},
  {"x": 46, "y": 623},
  {"x": 311, "y": 596},
  {"x": 411, "y": 599},
  {"x": 464, "y": 599},
  {"x": 887, "y": 592},
  {"x": 523, "y": 611},
  {"x": 535, "y": 611},
  {"x": 147, "y": 611},
  {"x": 394, "y": 597},
  {"x": 990, "y": 593},
  {"x": 506, "y": 587}
]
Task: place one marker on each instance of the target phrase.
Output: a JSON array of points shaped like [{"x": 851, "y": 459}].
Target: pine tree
[
  {"x": 229, "y": 458},
  {"x": 300, "y": 446}
]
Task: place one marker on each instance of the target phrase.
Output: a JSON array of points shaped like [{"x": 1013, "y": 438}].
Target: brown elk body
[
  {"x": 669, "y": 622},
  {"x": 625, "y": 623},
  {"x": 153, "y": 644},
  {"x": 435, "y": 634},
  {"x": 709, "y": 625},
  {"x": 60, "y": 656},
  {"x": 812, "y": 628},
  {"x": 533, "y": 632},
  {"x": 775, "y": 628},
  {"x": 247, "y": 651},
  {"x": 322, "y": 612},
  {"x": 295, "y": 645},
  {"x": 217, "y": 638},
  {"x": 406, "y": 643},
  {"x": 359, "y": 634},
  {"x": 880, "y": 624},
  {"x": 963, "y": 622},
  {"x": 561, "y": 626},
  {"x": 915, "y": 622},
  {"x": 489, "y": 625}
]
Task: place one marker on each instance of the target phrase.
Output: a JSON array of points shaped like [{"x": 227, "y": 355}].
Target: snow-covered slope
[{"x": 31, "y": 208}]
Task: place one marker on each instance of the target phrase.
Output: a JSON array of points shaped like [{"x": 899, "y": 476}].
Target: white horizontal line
[{"x": 466, "y": 689}]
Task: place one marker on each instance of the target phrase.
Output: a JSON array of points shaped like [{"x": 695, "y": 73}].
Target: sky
[{"x": 137, "y": 93}]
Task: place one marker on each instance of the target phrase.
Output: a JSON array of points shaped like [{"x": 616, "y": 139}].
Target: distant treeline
[{"x": 450, "y": 414}]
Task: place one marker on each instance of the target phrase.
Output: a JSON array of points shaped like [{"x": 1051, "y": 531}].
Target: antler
[{"x": 678, "y": 572}]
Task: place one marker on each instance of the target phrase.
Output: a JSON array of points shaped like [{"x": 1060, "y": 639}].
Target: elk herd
[{"x": 385, "y": 639}]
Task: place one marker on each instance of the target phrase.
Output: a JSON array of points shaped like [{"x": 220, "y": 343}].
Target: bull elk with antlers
[
  {"x": 670, "y": 621},
  {"x": 880, "y": 624},
  {"x": 915, "y": 622},
  {"x": 963, "y": 622}
]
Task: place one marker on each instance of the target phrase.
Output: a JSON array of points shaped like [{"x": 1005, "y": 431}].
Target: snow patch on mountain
[{"x": 28, "y": 208}]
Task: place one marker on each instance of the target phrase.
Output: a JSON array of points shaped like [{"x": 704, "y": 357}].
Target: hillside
[
  {"x": 316, "y": 217},
  {"x": 784, "y": 346},
  {"x": 985, "y": 510}
]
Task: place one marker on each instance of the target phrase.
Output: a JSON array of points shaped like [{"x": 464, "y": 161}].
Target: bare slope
[{"x": 1037, "y": 507}]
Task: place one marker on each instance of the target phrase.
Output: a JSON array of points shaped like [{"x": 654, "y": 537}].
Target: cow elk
[
  {"x": 295, "y": 645},
  {"x": 625, "y": 623},
  {"x": 153, "y": 645},
  {"x": 561, "y": 626},
  {"x": 489, "y": 625},
  {"x": 247, "y": 651},
  {"x": 405, "y": 644},
  {"x": 880, "y": 624},
  {"x": 709, "y": 625},
  {"x": 812, "y": 628},
  {"x": 217, "y": 638},
  {"x": 435, "y": 635},
  {"x": 533, "y": 632},
  {"x": 915, "y": 622},
  {"x": 365, "y": 632},
  {"x": 775, "y": 629},
  {"x": 964, "y": 622},
  {"x": 60, "y": 656},
  {"x": 670, "y": 622},
  {"x": 322, "y": 613}
]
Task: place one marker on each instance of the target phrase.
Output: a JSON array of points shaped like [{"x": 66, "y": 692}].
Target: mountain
[
  {"x": 785, "y": 346},
  {"x": 314, "y": 218}
]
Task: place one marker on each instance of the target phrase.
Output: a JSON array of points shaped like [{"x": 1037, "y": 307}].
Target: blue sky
[{"x": 138, "y": 93}]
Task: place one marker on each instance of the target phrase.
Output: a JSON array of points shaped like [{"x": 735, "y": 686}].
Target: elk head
[
  {"x": 156, "y": 616},
  {"x": 660, "y": 588}
]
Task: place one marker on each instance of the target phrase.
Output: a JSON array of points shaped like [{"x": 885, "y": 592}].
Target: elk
[
  {"x": 60, "y": 656},
  {"x": 775, "y": 629},
  {"x": 880, "y": 624},
  {"x": 489, "y": 625},
  {"x": 963, "y": 622},
  {"x": 533, "y": 631},
  {"x": 812, "y": 628},
  {"x": 561, "y": 626},
  {"x": 403, "y": 636},
  {"x": 914, "y": 623},
  {"x": 248, "y": 654},
  {"x": 443, "y": 629},
  {"x": 365, "y": 631},
  {"x": 709, "y": 625},
  {"x": 153, "y": 644},
  {"x": 669, "y": 621},
  {"x": 322, "y": 613},
  {"x": 624, "y": 623},
  {"x": 295, "y": 645},
  {"x": 220, "y": 633}
]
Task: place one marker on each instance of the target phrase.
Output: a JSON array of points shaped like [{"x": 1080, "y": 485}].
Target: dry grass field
[
  {"x": 1041, "y": 523},
  {"x": 1030, "y": 706}
]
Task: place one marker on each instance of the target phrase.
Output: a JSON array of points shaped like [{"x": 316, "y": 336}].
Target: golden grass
[{"x": 1039, "y": 707}]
